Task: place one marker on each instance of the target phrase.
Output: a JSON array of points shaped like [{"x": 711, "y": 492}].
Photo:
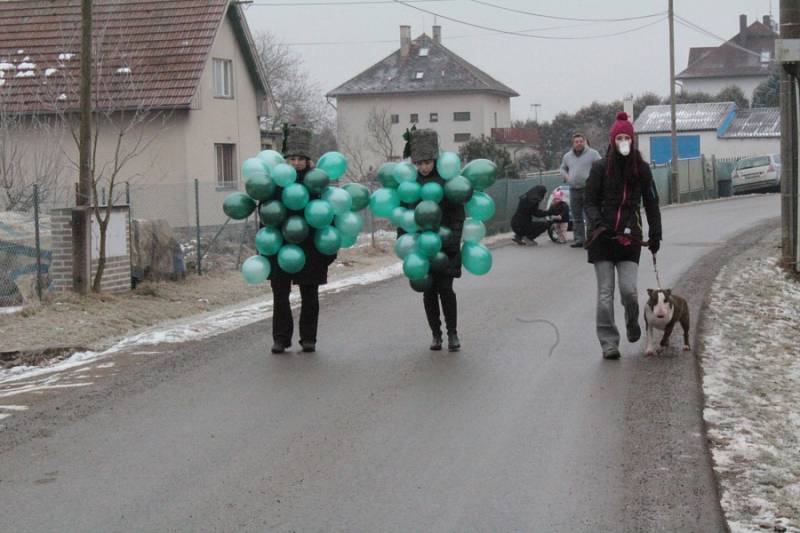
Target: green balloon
[
  {"x": 254, "y": 167},
  {"x": 273, "y": 213},
  {"x": 404, "y": 172},
  {"x": 421, "y": 285},
  {"x": 396, "y": 218},
  {"x": 271, "y": 158},
  {"x": 268, "y": 241},
  {"x": 339, "y": 198},
  {"x": 480, "y": 206},
  {"x": 432, "y": 191},
  {"x": 295, "y": 229},
  {"x": 481, "y": 173},
  {"x": 408, "y": 191},
  {"x": 359, "y": 194},
  {"x": 477, "y": 258},
  {"x": 473, "y": 230},
  {"x": 439, "y": 263},
  {"x": 348, "y": 240},
  {"x": 416, "y": 266},
  {"x": 238, "y": 205},
  {"x": 429, "y": 243},
  {"x": 458, "y": 190},
  {"x": 405, "y": 244},
  {"x": 260, "y": 188},
  {"x": 349, "y": 224},
  {"x": 382, "y": 201},
  {"x": 448, "y": 165},
  {"x": 328, "y": 240},
  {"x": 428, "y": 215},
  {"x": 446, "y": 234},
  {"x": 291, "y": 258},
  {"x": 316, "y": 181},
  {"x": 284, "y": 175},
  {"x": 334, "y": 164},
  {"x": 295, "y": 197},
  {"x": 318, "y": 213},
  {"x": 408, "y": 223},
  {"x": 255, "y": 269},
  {"x": 386, "y": 176}
]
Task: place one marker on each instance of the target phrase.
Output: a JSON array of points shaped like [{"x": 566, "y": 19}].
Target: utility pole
[
  {"x": 81, "y": 226},
  {"x": 673, "y": 182}
]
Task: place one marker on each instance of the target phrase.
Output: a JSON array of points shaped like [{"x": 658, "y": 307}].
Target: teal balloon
[
  {"x": 295, "y": 197},
  {"x": 473, "y": 230},
  {"x": 429, "y": 243},
  {"x": 476, "y": 258},
  {"x": 295, "y": 229},
  {"x": 334, "y": 164},
  {"x": 291, "y": 258},
  {"x": 408, "y": 223},
  {"x": 421, "y": 285},
  {"x": 273, "y": 213},
  {"x": 446, "y": 234},
  {"x": 318, "y": 213},
  {"x": 348, "y": 240},
  {"x": 328, "y": 240},
  {"x": 439, "y": 263},
  {"x": 408, "y": 191},
  {"x": 481, "y": 173},
  {"x": 340, "y": 200},
  {"x": 268, "y": 241},
  {"x": 284, "y": 175},
  {"x": 432, "y": 191},
  {"x": 359, "y": 195},
  {"x": 448, "y": 165},
  {"x": 316, "y": 181},
  {"x": 349, "y": 224},
  {"x": 405, "y": 244},
  {"x": 271, "y": 158},
  {"x": 458, "y": 190},
  {"x": 428, "y": 215},
  {"x": 480, "y": 206},
  {"x": 386, "y": 176},
  {"x": 255, "y": 269},
  {"x": 396, "y": 218},
  {"x": 260, "y": 188},
  {"x": 416, "y": 266},
  {"x": 383, "y": 201},
  {"x": 404, "y": 172},
  {"x": 254, "y": 167},
  {"x": 238, "y": 205}
]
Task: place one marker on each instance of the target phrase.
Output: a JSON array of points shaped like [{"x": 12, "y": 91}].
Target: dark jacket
[
  {"x": 612, "y": 202},
  {"x": 528, "y": 210},
  {"x": 561, "y": 209}
]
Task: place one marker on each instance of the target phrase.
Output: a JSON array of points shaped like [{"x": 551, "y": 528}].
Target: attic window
[
  {"x": 423, "y": 52},
  {"x": 418, "y": 75},
  {"x": 765, "y": 56}
]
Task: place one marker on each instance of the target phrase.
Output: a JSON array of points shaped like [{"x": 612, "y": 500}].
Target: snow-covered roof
[
  {"x": 749, "y": 123},
  {"x": 689, "y": 117}
]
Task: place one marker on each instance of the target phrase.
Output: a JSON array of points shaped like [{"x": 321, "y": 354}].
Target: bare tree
[{"x": 379, "y": 133}]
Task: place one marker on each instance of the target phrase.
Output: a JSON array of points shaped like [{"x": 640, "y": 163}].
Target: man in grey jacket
[{"x": 575, "y": 167}]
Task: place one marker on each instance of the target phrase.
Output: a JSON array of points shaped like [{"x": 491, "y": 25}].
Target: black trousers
[
  {"x": 282, "y": 323},
  {"x": 442, "y": 289},
  {"x": 530, "y": 229}
]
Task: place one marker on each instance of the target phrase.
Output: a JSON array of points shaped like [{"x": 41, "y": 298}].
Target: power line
[
  {"x": 692, "y": 26},
  {"x": 542, "y": 15},
  {"x": 336, "y": 3}
]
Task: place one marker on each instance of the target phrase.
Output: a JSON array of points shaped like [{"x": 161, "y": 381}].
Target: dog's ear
[
  {"x": 650, "y": 292},
  {"x": 668, "y": 293}
]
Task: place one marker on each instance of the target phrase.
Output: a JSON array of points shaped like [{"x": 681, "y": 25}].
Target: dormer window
[
  {"x": 765, "y": 56},
  {"x": 418, "y": 75},
  {"x": 423, "y": 52}
]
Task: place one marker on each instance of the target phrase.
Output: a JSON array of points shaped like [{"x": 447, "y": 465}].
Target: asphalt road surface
[{"x": 526, "y": 429}]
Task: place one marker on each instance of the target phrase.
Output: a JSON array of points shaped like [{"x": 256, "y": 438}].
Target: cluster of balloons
[
  {"x": 270, "y": 185},
  {"x": 421, "y": 247}
]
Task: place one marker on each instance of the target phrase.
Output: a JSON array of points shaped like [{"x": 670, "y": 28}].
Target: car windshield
[{"x": 752, "y": 162}]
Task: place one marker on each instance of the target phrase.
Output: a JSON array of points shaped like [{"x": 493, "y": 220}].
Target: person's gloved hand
[{"x": 654, "y": 245}]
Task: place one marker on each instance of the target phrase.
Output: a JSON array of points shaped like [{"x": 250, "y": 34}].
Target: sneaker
[
  {"x": 436, "y": 343},
  {"x": 612, "y": 353},
  {"x": 634, "y": 331},
  {"x": 517, "y": 239},
  {"x": 278, "y": 347},
  {"x": 308, "y": 346},
  {"x": 576, "y": 245},
  {"x": 453, "y": 344}
]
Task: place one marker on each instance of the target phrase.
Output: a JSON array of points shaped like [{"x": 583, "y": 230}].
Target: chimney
[
  {"x": 437, "y": 34},
  {"x": 742, "y": 23},
  {"x": 767, "y": 22},
  {"x": 405, "y": 40}
]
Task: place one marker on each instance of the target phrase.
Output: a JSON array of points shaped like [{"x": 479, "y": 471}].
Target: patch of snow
[
  {"x": 25, "y": 74},
  {"x": 14, "y": 407},
  {"x": 124, "y": 70},
  {"x": 4, "y": 65},
  {"x": 62, "y": 97},
  {"x": 50, "y": 71},
  {"x": 2, "y": 82},
  {"x": 66, "y": 56},
  {"x": 25, "y": 65},
  {"x": 15, "y": 309},
  {"x": 4, "y": 415},
  {"x": 20, "y": 51}
]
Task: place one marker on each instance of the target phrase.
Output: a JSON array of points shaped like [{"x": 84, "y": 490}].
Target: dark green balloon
[
  {"x": 428, "y": 215},
  {"x": 446, "y": 234},
  {"x": 458, "y": 190},
  {"x": 296, "y": 229},
  {"x": 386, "y": 175},
  {"x": 421, "y": 285},
  {"x": 273, "y": 213},
  {"x": 481, "y": 173},
  {"x": 260, "y": 188},
  {"x": 439, "y": 262},
  {"x": 238, "y": 206},
  {"x": 316, "y": 181},
  {"x": 360, "y": 195}
]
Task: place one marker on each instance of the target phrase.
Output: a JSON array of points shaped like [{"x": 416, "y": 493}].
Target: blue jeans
[{"x": 627, "y": 273}]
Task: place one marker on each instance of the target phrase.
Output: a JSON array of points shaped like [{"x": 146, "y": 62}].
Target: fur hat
[
  {"x": 424, "y": 145},
  {"x": 621, "y": 125},
  {"x": 296, "y": 141}
]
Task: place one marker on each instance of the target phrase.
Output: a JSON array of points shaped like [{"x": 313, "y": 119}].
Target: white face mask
[{"x": 624, "y": 147}]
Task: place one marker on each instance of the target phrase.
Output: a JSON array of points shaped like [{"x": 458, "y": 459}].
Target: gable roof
[
  {"x": 727, "y": 61},
  {"x": 759, "y": 122},
  {"x": 442, "y": 71},
  {"x": 689, "y": 117},
  {"x": 149, "y": 53}
]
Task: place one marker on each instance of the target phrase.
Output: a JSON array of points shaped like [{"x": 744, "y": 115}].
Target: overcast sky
[{"x": 561, "y": 75}]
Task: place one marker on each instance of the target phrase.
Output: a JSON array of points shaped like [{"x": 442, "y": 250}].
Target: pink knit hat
[
  {"x": 622, "y": 125},
  {"x": 558, "y": 194}
]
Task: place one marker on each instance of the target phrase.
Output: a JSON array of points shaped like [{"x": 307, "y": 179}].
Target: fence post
[
  {"x": 130, "y": 226},
  {"x": 197, "y": 221},
  {"x": 38, "y": 242}
]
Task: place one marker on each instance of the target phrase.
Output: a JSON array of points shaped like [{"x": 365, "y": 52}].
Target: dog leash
[
  {"x": 645, "y": 244},
  {"x": 655, "y": 268}
]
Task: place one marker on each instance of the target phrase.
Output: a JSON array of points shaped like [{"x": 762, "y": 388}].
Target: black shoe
[
  {"x": 278, "y": 347},
  {"x": 576, "y": 245},
  {"x": 613, "y": 353},
  {"x": 308, "y": 346},
  {"x": 453, "y": 344},
  {"x": 634, "y": 332},
  {"x": 436, "y": 343},
  {"x": 517, "y": 239}
]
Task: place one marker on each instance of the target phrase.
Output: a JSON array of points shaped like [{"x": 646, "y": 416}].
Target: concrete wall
[{"x": 715, "y": 85}]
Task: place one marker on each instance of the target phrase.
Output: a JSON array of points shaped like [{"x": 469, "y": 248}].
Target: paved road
[{"x": 376, "y": 433}]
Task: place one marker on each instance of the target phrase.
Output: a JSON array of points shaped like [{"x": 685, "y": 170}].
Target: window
[
  {"x": 434, "y": 117},
  {"x": 414, "y": 118},
  {"x": 395, "y": 119},
  {"x": 223, "y": 78},
  {"x": 418, "y": 75},
  {"x": 765, "y": 56},
  {"x": 461, "y": 116},
  {"x": 461, "y": 137},
  {"x": 423, "y": 52},
  {"x": 226, "y": 163}
]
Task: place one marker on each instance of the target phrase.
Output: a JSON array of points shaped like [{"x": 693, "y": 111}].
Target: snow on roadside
[{"x": 751, "y": 365}]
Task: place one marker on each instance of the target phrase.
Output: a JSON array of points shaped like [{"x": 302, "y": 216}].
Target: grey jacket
[{"x": 577, "y": 167}]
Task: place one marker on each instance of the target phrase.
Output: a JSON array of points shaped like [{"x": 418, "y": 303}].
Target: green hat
[
  {"x": 424, "y": 145},
  {"x": 296, "y": 141}
]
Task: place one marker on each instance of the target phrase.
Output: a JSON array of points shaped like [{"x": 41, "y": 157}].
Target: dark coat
[
  {"x": 523, "y": 222},
  {"x": 613, "y": 202}
]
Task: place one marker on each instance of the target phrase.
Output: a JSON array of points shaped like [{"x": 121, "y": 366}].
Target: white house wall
[
  {"x": 714, "y": 85},
  {"x": 710, "y": 145}
]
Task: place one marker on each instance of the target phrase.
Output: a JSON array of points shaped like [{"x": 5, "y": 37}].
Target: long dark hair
[{"x": 616, "y": 162}]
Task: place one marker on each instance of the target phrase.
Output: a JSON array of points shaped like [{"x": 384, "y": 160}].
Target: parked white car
[{"x": 761, "y": 172}]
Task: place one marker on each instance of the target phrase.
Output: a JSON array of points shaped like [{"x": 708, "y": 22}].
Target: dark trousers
[
  {"x": 442, "y": 289},
  {"x": 530, "y": 229},
  {"x": 282, "y": 323}
]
